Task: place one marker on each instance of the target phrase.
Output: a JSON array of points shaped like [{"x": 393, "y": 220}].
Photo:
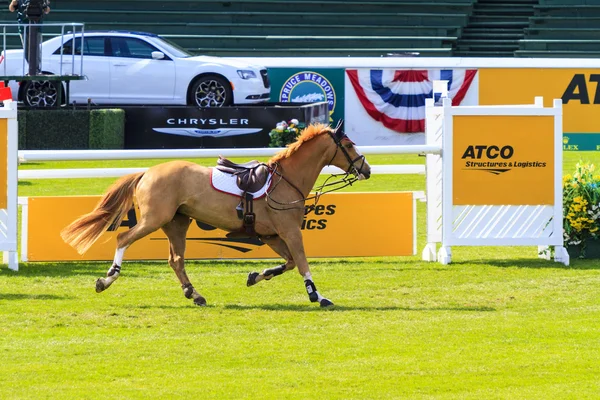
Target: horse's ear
[{"x": 338, "y": 131}]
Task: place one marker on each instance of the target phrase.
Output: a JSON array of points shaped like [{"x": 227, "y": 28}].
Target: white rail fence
[
  {"x": 81, "y": 155},
  {"x": 71, "y": 155},
  {"x": 84, "y": 155},
  {"x": 442, "y": 215}
]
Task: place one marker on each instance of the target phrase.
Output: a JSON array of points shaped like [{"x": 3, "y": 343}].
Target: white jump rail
[{"x": 86, "y": 155}]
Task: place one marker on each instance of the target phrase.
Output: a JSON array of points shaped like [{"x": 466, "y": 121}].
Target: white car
[{"x": 135, "y": 68}]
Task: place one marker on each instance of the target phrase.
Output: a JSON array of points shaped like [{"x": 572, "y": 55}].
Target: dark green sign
[
  {"x": 309, "y": 85},
  {"x": 581, "y": 141}
]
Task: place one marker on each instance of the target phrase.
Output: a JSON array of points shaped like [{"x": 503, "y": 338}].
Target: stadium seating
[
  {"x": 495, "y": 28},
  {"x": 563, "y": 28},
  {"x": 277, "y": 27}
]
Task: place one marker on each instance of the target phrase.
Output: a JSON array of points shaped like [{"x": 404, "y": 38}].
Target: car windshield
[{"x": 174, "y": 49}]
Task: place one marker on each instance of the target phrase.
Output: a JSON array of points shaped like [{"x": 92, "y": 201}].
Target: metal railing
[{"x": 76, "y": 32}]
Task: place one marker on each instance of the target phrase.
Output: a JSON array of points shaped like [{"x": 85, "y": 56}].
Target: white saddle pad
[{"x": 225, "y": 183}]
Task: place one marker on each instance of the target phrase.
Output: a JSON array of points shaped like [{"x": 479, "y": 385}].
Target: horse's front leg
[
  {"x": 293, "y": 240},
  {"x": 279, "y": 246}
]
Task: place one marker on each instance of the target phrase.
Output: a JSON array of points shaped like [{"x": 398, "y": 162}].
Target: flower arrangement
[
  {"x": 285, "y": 133},
  {"x": 581, "y": 207}
]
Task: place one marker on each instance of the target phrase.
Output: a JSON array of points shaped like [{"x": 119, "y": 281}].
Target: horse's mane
[{"x": 311, "y": 131}]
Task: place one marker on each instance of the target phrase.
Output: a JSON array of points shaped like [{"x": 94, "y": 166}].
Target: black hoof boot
[
  {"x": 188, "y": 290},
  {"x": 326, "y": 303},
  {"x": 272, "y": 272},
  {"x": 100, "y": 285},
  {"x": 311, "y": 289},
  {"x": 252, "y": 279}
]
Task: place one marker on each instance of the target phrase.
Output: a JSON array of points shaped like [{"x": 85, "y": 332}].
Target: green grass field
[{"x": 498, "y": 323}]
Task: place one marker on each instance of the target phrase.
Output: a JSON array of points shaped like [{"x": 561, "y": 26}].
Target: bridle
[
  {"x": 337, "y": 138},
  {"x": 345, "y": 179}
]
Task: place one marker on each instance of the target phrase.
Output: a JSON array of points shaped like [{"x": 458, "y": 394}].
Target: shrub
[{"x": 581, "y": 206}]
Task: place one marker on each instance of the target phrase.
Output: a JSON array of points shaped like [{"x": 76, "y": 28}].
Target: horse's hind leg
[
  {"x": 144, "y": 227},
  {"x": 113, "y": 272},
  {"x": 176, "y": 231},
  {"x": 279, "y": 246}
]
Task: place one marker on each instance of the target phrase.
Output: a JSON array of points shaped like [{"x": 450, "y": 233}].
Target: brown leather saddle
[{"x": 250, "y": 178}]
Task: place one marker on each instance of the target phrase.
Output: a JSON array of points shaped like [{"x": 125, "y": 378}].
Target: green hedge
[
  {"x": 107, "y": 129},
  {"x": 71, "y": 129}
]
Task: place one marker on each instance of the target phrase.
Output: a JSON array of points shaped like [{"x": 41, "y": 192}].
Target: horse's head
[{"x": 347, "y": 156}]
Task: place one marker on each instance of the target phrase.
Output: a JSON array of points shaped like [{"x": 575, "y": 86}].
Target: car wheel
[
  {"x": 40, "y": 93},
  {"x": 211, "y": 91}
]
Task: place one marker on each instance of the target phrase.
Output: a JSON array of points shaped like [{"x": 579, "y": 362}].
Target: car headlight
[{"x": 246, "y": 74}]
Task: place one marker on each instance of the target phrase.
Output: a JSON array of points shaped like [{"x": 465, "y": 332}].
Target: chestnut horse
[{"x": 171, "y": 194}]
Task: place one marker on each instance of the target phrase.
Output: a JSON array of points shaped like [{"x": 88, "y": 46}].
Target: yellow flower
[{"x": 581, "y": 211}]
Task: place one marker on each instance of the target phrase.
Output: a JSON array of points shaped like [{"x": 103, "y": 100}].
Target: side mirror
[{"x": 158, "y": 55}]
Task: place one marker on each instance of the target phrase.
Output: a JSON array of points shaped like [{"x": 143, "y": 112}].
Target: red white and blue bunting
[{"x": 396, "y": 98}]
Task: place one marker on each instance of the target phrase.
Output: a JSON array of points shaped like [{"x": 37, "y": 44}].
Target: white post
[
  {"x": 8, "y": 216},
  {"x": 560, "y": 253},
  {"x": 445, "y": 253},
  {"x": 433, "y": 171}
]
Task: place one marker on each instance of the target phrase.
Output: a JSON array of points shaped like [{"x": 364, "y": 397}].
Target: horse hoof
[
  {"x": 326, "y": 303},
  {"x": 100, "y": 285},
  {"x": 200, "y": 301},
  {"x": 252, "y": 279}
]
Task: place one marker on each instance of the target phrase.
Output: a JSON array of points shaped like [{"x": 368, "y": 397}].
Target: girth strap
[
  {"x": 246, "y": 214},
  {"x": 249, "y": 216}
]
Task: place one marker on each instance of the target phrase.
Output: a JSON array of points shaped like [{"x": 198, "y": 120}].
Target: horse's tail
[{"x": 112, "y": 208}]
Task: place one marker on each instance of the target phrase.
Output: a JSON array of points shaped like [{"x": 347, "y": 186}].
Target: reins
[
  {"x": 275, "y": 171},
  {"x": 345, "y": 180}
]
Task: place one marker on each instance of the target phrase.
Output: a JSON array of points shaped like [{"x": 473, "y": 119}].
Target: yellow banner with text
[
  {"x": 341, "y": 225},
  {"x": 503, "y": 160},
  {"x": 579, "y": 90}
]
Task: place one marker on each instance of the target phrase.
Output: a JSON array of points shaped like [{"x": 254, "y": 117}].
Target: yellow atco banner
[
  {"x": 3, "y": 163},
  {"x": 503, "y": 160},
  {"x": 341, "y": 225},
  {"x": 578, "y": 88}
]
